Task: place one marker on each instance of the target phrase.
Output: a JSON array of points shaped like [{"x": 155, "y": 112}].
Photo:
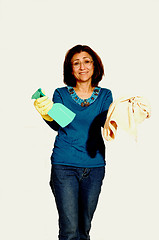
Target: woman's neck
[{"x": 84, "y": 90}]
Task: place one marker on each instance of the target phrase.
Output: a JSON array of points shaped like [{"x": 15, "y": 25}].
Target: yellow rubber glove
[{"x": 43, "y": 105}]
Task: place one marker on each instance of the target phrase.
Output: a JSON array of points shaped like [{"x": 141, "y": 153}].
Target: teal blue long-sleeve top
[{"x": 80, "y": 143}]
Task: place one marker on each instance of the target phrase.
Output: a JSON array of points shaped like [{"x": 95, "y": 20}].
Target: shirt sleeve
[
  {"x": 56, "y": 99},
  {"x": 106, "y": 103}
]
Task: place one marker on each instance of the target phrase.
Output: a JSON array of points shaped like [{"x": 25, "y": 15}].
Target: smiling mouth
[{"x": 83, "y": 73}]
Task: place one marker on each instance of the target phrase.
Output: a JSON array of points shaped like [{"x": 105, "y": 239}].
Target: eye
[
  {"x": 87, "y": 61},
  {"x": 76, "y": 63}
]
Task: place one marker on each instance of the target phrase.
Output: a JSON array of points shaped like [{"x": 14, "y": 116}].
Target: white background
[{"x": 34, "y": 38}]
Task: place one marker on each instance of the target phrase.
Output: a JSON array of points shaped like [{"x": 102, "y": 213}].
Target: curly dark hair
[{"x": 69, "y": 78}]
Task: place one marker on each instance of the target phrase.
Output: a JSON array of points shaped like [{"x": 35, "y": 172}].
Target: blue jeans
[{"x": 76, "y": 191}]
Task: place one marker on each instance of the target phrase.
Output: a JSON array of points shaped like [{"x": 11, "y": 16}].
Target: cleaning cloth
[{"x": 126, "y": 113}]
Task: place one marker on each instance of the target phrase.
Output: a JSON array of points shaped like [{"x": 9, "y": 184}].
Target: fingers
[
  {"x": 44, "y": 110},
  {"x": 41, "y": 99},
  {"x": 44, "y": 102},
  {"x": 43, "y": 105}
]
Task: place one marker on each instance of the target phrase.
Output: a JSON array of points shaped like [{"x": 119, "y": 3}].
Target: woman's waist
[{"x": 71, "y": 142}]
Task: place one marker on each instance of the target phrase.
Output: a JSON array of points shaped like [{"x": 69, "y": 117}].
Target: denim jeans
[{"x": 76, "y": 191}]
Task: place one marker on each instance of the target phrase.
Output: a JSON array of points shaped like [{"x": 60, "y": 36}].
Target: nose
[{"x": 82, "y": 66}]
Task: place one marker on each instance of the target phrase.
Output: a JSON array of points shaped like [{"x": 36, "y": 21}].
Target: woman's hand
[{"x": 43, "y": 105}]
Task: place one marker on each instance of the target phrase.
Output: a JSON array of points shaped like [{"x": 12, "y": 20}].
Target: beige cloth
[{"x": 126, "y": 113}]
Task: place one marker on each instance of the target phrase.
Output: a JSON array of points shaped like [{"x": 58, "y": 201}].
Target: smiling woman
[
  {"x": 82, "y": 67},
  {"x": 82, "y": 54},
  {"x": 78, "y": 157}
]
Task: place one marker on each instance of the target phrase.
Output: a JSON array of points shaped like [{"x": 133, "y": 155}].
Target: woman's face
[{"x": 82, "y": 67}]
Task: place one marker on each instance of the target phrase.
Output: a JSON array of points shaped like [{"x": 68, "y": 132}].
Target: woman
[{"x": 78, "y": 158}]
